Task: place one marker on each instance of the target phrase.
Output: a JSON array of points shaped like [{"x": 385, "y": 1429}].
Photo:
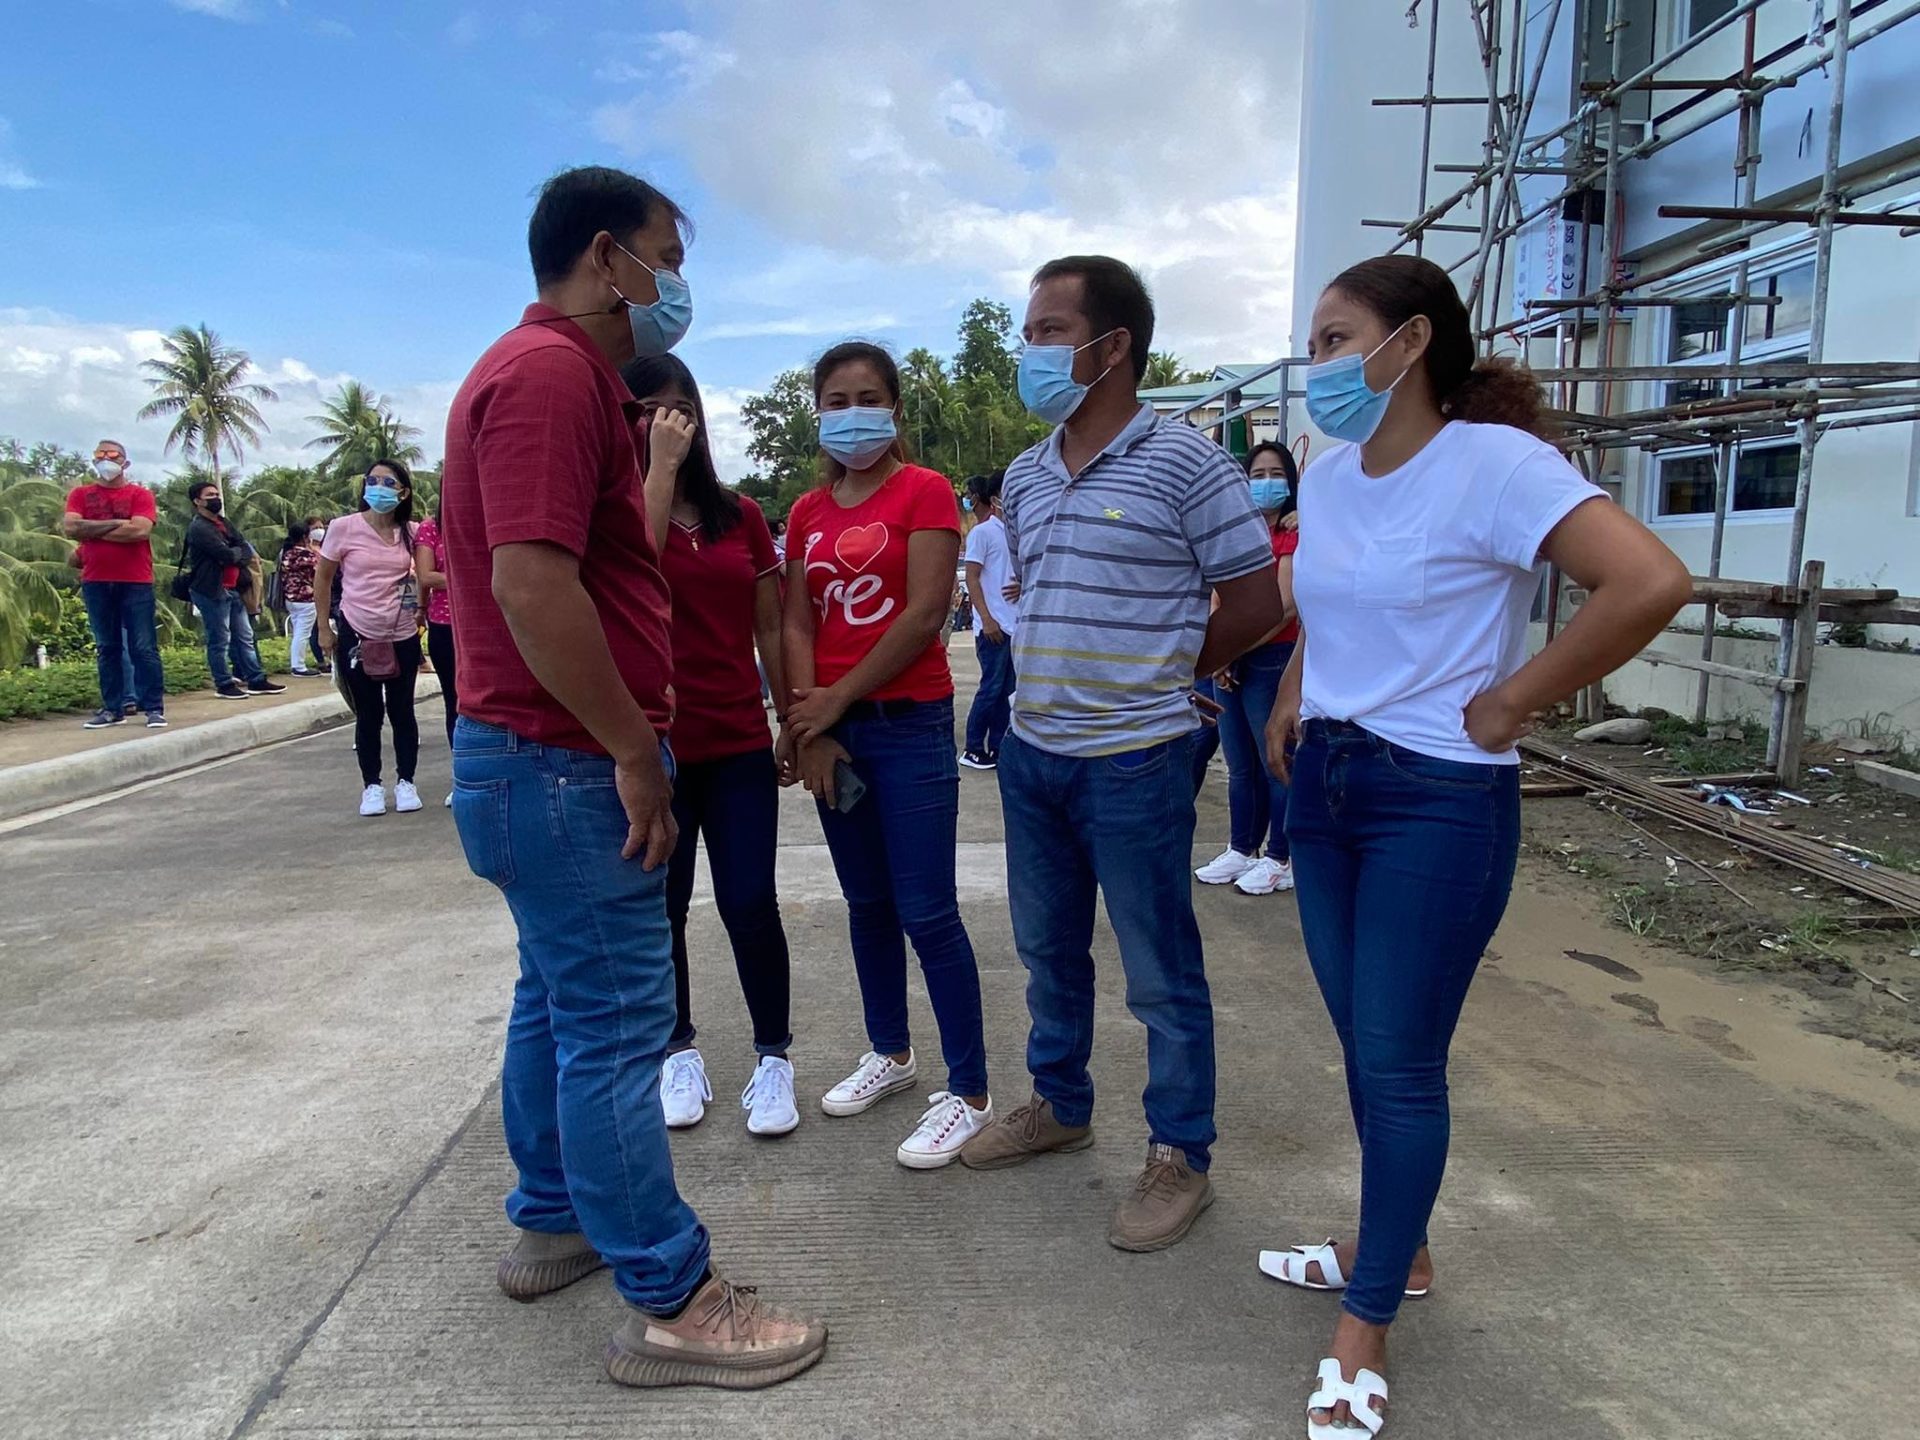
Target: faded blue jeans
[
  {"x": 120, "y": 614},
  {"x": 1256, "y": 797},
  {"x": 993, "y": 702},
  {"x": 894, "y": 854},
  {"x": 1404, "y": 864},
  {"x": 592, "y": 1009},
  {"x": 230, "y": 648},
  {"x": 1121, "y": 825}
]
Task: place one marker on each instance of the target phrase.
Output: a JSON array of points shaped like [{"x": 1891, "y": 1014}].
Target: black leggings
[
  {"x": 377, "y": 700},
  {"x": 440, "y": 651}
]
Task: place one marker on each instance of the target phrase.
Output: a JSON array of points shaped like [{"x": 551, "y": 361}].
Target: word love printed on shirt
[{"x": 855, "y": 586}]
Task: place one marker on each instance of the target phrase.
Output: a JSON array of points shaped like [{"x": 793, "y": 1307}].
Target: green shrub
[{"x": 73, "y": 685}]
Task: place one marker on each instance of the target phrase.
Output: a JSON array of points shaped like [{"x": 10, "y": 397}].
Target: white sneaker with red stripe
[{"x": 948, "y": 1124}]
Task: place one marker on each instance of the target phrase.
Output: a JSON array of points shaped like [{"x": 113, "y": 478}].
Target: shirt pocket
[{"x": 1392, "y": 573}]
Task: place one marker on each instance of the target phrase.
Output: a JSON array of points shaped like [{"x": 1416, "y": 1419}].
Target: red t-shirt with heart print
[{"x": 856, "y": 563}]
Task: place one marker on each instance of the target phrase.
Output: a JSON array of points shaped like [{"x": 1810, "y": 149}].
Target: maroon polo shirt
[
  {"x": 540, "y": 447},
  {"x": 714, "y": 583}
]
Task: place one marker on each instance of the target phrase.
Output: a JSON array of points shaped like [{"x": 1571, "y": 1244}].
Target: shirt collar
[
  {"x": 1144, "y": 422},
  {"x": 560, "y": 324}
]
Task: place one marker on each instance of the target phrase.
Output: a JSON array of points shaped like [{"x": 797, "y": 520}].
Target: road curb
[{"x": 44, "y": 783}]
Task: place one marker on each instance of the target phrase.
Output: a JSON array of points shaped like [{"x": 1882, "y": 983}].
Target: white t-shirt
[
  {"x": 987, "y": 548},
  {"x": 1415, "y": 587}
]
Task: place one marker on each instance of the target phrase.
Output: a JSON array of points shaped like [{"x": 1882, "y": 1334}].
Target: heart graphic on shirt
[{"x": 859, "y": 546}]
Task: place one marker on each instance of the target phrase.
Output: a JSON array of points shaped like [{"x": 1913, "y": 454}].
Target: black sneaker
[
  {"x": 104, "y": 717},
  {"x": 233, "y": 690},
  {"x": 266, "y": 687},
  {"x": 978, "y": 760},
  {"x": 156, "y": 720}
]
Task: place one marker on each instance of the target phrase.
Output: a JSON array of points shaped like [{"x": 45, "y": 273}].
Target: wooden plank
[
  {"x": 1726, "y": 672},
  {"x": 1806, "y": 634}
]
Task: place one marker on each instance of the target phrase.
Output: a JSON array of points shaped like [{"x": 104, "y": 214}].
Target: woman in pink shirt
[{"x": 378, "y": 639}]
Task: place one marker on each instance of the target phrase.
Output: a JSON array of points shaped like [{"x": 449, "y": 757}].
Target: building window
[
  {"x": 1702, "y": 13},
  {"x": 1768, "y": 469}
]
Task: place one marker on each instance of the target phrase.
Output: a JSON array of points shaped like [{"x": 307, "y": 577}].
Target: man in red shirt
[
  {"x": 112, "y": 517},
  {"x": 563, "y": 782}
]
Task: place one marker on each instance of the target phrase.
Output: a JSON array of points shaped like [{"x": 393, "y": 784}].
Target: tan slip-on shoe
[
  {"x": 1166, "y": 1200},
  {"x": 726, "y": 1337},
  {"x": 539, "y": 1264},
  {"x": 1022, "y": 1133}
]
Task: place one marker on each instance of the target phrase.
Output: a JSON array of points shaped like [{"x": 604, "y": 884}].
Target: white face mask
[{"x": 316, "y": 536}]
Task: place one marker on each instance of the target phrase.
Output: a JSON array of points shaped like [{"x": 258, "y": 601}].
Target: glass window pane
[
  {"x": 1702, "y": 13},
  {"x": 1794, "y": 314},
  {"x": 1697, "y": 330},
  {"x": 1799, "y": 358},
  {"x": 1765, "y": 479},
  {"x": 1686, "y": 485}
]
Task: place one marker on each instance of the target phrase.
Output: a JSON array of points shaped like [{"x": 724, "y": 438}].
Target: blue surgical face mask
[
  {"x": 658, "y": 327},
  {"x": 858, "y": 435},
  {"x": 1270, "y": 492},
  {"x": 1047, "y": 386},
  {"x": 381, "y": 499},
  {"x": 966, "y": 503},
  {"x": 1340, "y": 401}
]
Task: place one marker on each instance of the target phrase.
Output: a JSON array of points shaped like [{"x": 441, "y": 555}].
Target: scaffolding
[{"x": 1758, "y": 399}]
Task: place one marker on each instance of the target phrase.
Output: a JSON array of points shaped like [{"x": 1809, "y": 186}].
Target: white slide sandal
[
  {"x": 1359, "y": 1393},
  {"x": 1290, "y": 1268}
]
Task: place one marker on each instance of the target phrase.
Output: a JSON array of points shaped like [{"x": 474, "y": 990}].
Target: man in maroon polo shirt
[{"x": 563, "y": 781}]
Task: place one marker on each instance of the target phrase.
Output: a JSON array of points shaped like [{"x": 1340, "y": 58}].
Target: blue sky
[{"x": 342, "y": 188}]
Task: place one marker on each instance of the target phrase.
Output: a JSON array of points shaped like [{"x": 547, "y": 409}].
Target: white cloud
[
  {"x": 219, "y": 9},
  {"x": 835, "y": 325},
  {"x": 71, "y": 381},
  {"x": 13, "y": 175},
  {"x": 986, "y": 139}
]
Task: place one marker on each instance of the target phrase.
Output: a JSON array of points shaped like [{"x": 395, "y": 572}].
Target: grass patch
[{"x": 73, "y": 686}]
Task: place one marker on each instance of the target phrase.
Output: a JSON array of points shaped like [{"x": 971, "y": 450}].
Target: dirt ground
[{"x": 1672, "y": 886}]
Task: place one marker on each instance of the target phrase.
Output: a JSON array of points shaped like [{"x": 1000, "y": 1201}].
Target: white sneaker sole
[
  {"x": 916, "y": 1160},
  {"x": 404, "y": 809},
  {"x": 1275, "y": 889},
  {"x": 1233, "y": 879},
  {"x": 773, "y": 1131},
  {"x": 684, "y": 1124},
  {"x": 844, "y": 1108}
]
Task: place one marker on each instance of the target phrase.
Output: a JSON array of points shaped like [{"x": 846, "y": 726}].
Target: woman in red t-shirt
[
  {"x": 870, "y": 563},
  {"x": 1246, "y": 690},
  {"x": 724, "y": 578}
]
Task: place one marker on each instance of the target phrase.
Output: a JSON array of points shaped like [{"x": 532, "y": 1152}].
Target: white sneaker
[
  {"x": 875, "y": 1078},
  {"x": 1225, "y": 868},
  {"x": 405, "y": 797},
  {"x": 768, "y": 1098},
  {"x": 684, "y": 1090},
  {"x": 948, "y": 1124},
  {"x": 373, "y": 801},
  {"x": 449, "y": 799},
  {"x": 1264, "y": 877}
]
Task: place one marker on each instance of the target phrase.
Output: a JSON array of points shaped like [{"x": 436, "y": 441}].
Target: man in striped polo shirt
[{"x": 1121, "y": 528}]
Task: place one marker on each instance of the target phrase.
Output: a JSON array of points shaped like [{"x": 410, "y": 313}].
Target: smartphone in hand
[{"x": 848, "y": 788}]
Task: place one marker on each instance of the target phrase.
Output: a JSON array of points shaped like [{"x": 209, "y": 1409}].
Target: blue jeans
[
  {"x": 993, "y": 701},
  {"x": 120, "y": 614},
  {"x": 734, "y": 803},
  {"x": 592, "y": 1009},
  {"x": 1256, "y": 797},
  {"x": 894, "y": 854},
  {"x": 1404, "y": 865},
  {"x": 1122, "y": 824},
  {"x": 1206, "y": 740},
  {"x": 230, "y": 649}
]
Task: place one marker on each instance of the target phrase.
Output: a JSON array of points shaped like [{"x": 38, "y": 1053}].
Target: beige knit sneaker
[
  {"x": 1166, "y": 1200},
  {"x": 1020, "y": 1134},
  {"x": 726, "y": 1337},
  {"x": 539, "y": 1264}
]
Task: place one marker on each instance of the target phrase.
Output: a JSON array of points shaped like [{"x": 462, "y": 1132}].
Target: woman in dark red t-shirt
[
  {"x": 870, "y": 562},
  {"x": 724, "y": 580},
  {"x": 1246, "y": 691}
]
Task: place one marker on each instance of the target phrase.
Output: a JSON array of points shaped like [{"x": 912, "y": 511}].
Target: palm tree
[
  {"x": 1164, "y": 368},
  {"x": 201, "y": 383},
  {"x": 358, "y": 427},
  {"x": 33, "y": 559}
]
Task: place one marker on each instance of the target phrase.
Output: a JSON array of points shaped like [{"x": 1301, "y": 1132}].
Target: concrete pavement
[{"x": 248, "y": 1046}]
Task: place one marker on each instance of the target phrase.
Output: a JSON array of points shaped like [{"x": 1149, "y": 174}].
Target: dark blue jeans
[
  {"x": 230, "y": 649},
  {"x": 1404, "y": 865},
  {"x": 993, "y": 701},
  {"x": 1121, "y": 824},
  {"x": 734, "y": 803},
  {"x": 592, "y": 1009},
  {"x": 1206, "y": 740},
  {"x": 120, "y": 614},
  {"x": 1256, "y": 797},
  {"x": 894, "y": 854}
]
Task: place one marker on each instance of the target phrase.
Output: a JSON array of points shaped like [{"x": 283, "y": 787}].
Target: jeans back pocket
[
  {"x": 1392, "y": 573},
  {"x": 480, "y": 815}
]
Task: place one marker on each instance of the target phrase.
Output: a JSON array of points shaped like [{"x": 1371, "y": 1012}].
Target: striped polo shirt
[{"x": 1116, "y": 567}]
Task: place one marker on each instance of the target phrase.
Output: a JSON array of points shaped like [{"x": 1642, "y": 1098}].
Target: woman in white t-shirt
[{"x": 1406, "y": 695}]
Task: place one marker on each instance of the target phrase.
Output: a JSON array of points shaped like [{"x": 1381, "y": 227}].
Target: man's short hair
[
  {"x": 1113, "y": 298},
  {"x": 576, "y": 205},
  {"x": 199, "y": 488},
  {"x": 116, "y": 445},
  {"x": 985, "y": 488}
]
